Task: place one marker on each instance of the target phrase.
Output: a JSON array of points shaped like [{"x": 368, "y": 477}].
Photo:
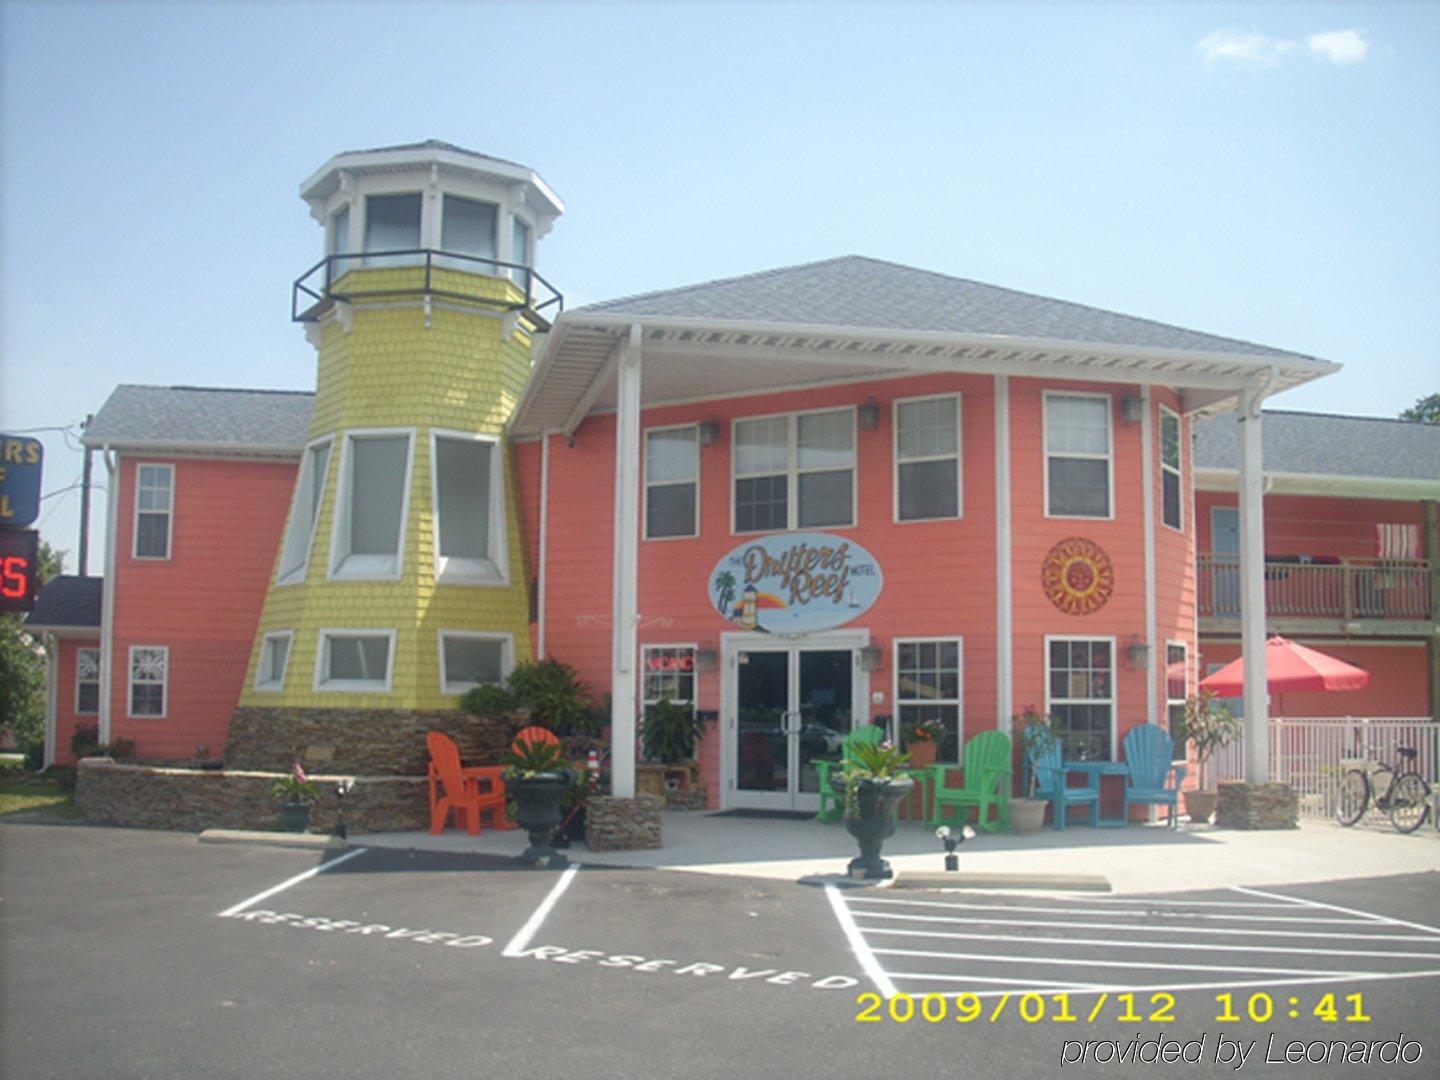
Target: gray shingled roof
[
  {"x": 857, "y": 291},
  {"x": 70, "y": 601},
  {"x": 1321, "y": 444},
  {"x": 203, "y": 417},
  {"x": 437, "y": 144}
]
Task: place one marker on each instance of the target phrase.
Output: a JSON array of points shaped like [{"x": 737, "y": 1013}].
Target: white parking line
[
  {"x": 1226, "y": 984},
  {"x": 1335, "y": 907},
  {"x": 1059, "y": 924},
  {"x": 228, "y": 912},
  {"x": 1066, "y": 961},
  {"x": 518, "y": 943},
  {"x": 1093, "y": 911},
  {"x": 862, "y": 951}
]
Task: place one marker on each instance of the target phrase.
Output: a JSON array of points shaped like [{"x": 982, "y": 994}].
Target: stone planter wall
[
  {"x": 167, "y": 798},
  {"x": 613, "y": 824},
  {"x": 1258, "y": 806}
]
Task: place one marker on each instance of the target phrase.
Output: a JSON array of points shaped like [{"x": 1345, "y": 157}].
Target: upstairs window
[
  {"x": 1171, "y": 512},
  {"x": 795, "y": 472},
  {"x": 87, "y": 681},
  {"x": 370, "y": 507},
  {"x": 468, "y": 660},
  {"x": 274, "y": 655},
  {"x": 927, "y": 458},
  {"x": 468, "y": 227},
  {"x": 392, "y": 223},
  {"x": 1077, "y": 455},
  {"x": 672, "y": 482},
  {"x": 519, "y": 248},
  {"x": 154, "y": 504},
  {"x": 304, "y": 510},
  {"x": 149, "y": 677},
  {"x": 354, "y": 660},
  {"x": 469, "y": 508}
]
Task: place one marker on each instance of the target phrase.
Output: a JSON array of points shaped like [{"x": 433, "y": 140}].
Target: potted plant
[
  {"x": 873, "y": 785},
  {"x": 1208, "y": 727},
  {"x": 670, "y": 731},
  {"x": 296, "y": 794},
  {"x": 922, "y": 742},
  {"x": 537, "y": 781},
  {"x": 1036, "y": 736}
]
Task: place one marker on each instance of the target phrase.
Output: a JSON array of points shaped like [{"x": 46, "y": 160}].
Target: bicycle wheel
[
  {"x": 1409, "y": 802},
  {"x": 1354, "y": 797}
]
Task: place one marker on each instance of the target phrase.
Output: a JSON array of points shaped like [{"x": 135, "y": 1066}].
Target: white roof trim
[{"x": 1356, "y": 487}]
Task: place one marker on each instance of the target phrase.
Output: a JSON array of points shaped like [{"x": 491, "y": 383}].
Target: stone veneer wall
[
  {"x": 167, "y": 798},
  {"x": 1258, "y": 806},
  {"x": 613, "y": 824}
]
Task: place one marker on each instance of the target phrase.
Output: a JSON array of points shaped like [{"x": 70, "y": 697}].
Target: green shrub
[
  {"x": 546, "y": 692},
  {"x": 670, "y": 731},
  {"x": 488, "y": 702},
  {"x": 84, "y": 739}
]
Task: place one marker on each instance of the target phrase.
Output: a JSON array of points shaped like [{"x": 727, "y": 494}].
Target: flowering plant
[
  {"x": 925, "y": 731},
  {"x": 296, "y": 788}
]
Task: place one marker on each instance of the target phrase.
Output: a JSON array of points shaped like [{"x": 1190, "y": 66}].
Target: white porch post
[
  {"x": 627, "y": 531},
  {"x": 1004, "y": 584},
  {"x": 1252, "y": 589}
]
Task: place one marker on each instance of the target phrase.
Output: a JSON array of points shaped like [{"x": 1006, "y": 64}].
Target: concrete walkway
[{"x": 1138, "y": 859}]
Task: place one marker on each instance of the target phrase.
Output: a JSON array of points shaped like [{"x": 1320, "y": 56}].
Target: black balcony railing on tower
[{"x": 315, "y": 292}]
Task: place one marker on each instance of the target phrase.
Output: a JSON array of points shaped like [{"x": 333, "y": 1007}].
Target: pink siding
[
  {"x": 203, "y": 602},
  {"x": 66, "y": 718},
  {"x": 1315, "y": 525}
]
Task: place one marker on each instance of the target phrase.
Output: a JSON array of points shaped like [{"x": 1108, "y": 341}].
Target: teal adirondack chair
[
  {"x": 1148, "y": 752},
  {"x": 1050, "y": 783},
  {"x": 985, "y": 783},
  {"x": 831, "y": 805}
]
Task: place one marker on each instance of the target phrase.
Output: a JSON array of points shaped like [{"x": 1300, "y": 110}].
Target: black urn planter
[
  {"x": 294, "y": 816},
  {"x": 871, "y": 819},
  {"x": 537, "y": 811}
]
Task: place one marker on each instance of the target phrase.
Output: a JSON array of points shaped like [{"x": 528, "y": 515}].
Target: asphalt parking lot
[{"x": 127, "y": 953}]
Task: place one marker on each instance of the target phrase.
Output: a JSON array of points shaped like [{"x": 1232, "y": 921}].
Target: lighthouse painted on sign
[{"x": 795, "y": 583}]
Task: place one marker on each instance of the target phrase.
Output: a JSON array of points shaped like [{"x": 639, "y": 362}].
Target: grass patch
[{"x": 19, "y": 793}]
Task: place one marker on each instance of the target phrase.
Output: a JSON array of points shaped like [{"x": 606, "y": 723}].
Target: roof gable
[
  {"x": 203, "y": 418},
  {"x": 68, "y": 602}
]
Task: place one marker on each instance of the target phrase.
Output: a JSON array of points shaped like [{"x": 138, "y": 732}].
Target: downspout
[{"x": 107, "y": 603}]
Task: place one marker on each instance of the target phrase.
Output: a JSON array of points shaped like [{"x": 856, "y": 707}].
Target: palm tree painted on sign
[{"x": 724, "y": 592}]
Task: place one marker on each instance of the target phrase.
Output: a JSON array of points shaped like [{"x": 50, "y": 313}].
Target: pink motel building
[{"x": 796, "y": 500}]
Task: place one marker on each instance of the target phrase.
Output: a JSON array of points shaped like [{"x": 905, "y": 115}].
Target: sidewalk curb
[
  {"x": 301, "y": 841},
  {"x": 927, "y": 879}
]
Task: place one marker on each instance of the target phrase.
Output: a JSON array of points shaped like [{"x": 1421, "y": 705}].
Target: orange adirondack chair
[{"x": 461, "y": 789}]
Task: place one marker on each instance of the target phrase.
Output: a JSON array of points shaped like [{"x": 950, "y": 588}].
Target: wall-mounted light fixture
[
  {"x": 1132, "y": 408},
  {"x": 871, "y": 657},
  {"x": 1138, "y": 653},
  {"x": 706, "y": 659},
  {"x": 709, "y": 432},
  {"x": 869, "y": 415}
]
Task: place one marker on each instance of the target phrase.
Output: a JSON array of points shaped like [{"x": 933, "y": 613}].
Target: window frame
[
  {"x": 169, "y": 467},
  {"x": 793, "y": 472},
  {"x": 1108, "y": 457},
  {"x": 645, "y": 483},
  {"x": 374, "y": 259},
  {"x": 1113, "y": 700},
  {"x": 97, "y": 681},
  {"x": 958, "y": 701},
  {"x": 264, "y": 687},
  {"x": 464, "y": 570},
  {"x": 479, "y": 265},
  {"x": 1184, "y": 647},
  {"x": 130, "y": 684},
  {"x": 1178, "y": 470},
  {"x": 958, "y": 456},
  {"x": 507, "y": 657},
  {"x": 323, "y": 684},
  {"x": 657, "y": 646},
  {"x": 298, "y": 575},
  {"x": 340, "y": 526}
]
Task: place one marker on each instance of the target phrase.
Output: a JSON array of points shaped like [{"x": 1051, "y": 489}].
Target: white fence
[{"x": 1312, "y": 754}]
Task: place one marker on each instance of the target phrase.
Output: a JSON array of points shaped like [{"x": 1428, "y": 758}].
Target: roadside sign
[
  {"x": 19, "y": 552},
  {"x": 21, "y": 460}
]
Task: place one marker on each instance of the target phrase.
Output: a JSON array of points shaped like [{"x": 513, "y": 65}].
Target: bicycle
[{"x": 1406, "y": 799}]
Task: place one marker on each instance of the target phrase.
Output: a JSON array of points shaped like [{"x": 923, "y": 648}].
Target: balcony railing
[
  {"x": 1345, "y": 589},
  {"x": 426, "y": 272}
]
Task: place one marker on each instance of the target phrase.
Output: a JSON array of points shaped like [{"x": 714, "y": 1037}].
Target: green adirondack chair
[
  {"x": 831, "y": 805},
  {"x": 985, "y": 783}
]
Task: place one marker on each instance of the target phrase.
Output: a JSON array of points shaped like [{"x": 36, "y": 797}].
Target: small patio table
[{"x": 1095, "y": 770}]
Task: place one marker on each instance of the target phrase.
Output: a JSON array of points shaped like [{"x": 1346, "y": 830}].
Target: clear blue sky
[{"x": 1263, "y": 171}]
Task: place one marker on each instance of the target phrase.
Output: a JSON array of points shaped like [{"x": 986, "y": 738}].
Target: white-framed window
[
  {"x": 392, "y": 223},
  {"x": 519, "y": 248},
  {"x": 87, "y": 681},
  {"x": 1080, "y": 691},
  {"x": 929, "y": 686},
  {"x": 304, "y": 512},
  {"x": 795, "y": 471},
  {"x": 372, "y": 501},
  {"x": 355, "y": 660},
  {"x": 1177, "y": 689},
  {"x": 339, "y": 242},
  {"x": 154, "y": 510},
  {"x": 469, "y": 659},
  {"x": 274, "y": 657},
  {"x": 469, "y": 227},
  {"x": 467, "y": 482},
  {"x": 672, "y": 482},
  {"x": 1171, "y": 448},
  {"x": 667, "y": 673},
  {"x": 1077, "y": 455},
  {"x": 149, "y": 680},
  {"x": 927, "y": 458}
]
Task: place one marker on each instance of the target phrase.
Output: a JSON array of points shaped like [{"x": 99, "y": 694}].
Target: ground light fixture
[
  {"x": 953, "y": 838},
  {"x": 343, "y": 788}
]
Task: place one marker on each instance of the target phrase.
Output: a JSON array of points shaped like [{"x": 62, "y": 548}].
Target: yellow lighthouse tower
[{"x": 400, "y": 579}]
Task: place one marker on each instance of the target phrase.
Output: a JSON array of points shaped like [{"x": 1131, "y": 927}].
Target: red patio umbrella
[{"x": 1289, "y": 668}]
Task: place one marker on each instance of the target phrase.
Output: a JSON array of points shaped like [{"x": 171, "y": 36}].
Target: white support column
[
  {"x": 1004, "y": 616},
  {"x": 544, "y": 540},
  {"x": 626, "y": 570},
  {"x": 1147, "y": 502},
  {"x": 1252, "y": 589},
  {"x": 107, "y": 591}
]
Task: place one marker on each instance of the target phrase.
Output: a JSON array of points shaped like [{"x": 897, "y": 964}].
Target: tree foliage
[
  {"x": 22, "y": 667},
  {"x": 1425, "y": 411}
]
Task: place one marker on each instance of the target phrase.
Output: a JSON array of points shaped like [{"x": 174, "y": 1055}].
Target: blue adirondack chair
[
  {"x": 1148, "y": 752},
  {"x": 831, "y": 808},
  {"x": 1050, "y": 783}
]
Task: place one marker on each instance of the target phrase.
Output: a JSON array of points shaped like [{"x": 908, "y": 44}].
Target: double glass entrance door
[{"x": 793, "y": 705}]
